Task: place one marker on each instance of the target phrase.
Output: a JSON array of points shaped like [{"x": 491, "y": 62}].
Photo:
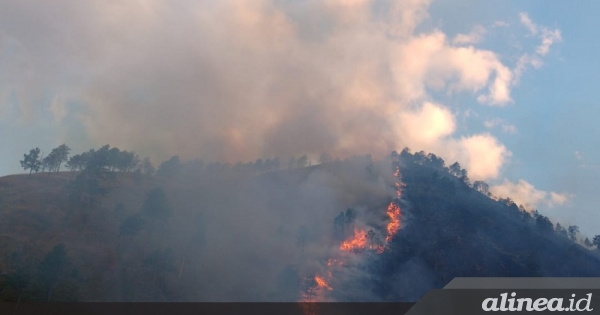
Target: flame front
[
  {"x": 395, "y": 214},
  {"x": 360, "y": 241}
]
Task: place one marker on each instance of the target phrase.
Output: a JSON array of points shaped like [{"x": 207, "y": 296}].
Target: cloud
[
  {"x": 499, "y": 123},
  {"x": 239, "y": 80},
  {"x": 473, "y": 37},
  {"x": 483, "y": 154},
  {"x": 526, "y": 21},
  {"x": 547, "y": 38},
  {"x": 524, "y": 193},
  {"x": 500, "y": 24}
]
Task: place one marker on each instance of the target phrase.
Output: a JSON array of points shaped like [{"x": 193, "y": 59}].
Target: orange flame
[
  {"x": 395, "y": 214},
  {"x": 322, "y": 283},
  {"x": 358, "y": 242}
]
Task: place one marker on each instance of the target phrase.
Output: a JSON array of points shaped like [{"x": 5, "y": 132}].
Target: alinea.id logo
[{"x": 513, "y": 304}]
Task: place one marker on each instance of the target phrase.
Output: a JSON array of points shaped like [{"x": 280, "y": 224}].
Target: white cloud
[
  {"x": 499, "y": 123},
  {"x": 524, "y": 193},
  {"x": 500, "y": 24},
  {"x": 547, "y": 38},
  {"x": 473, "y": 37},
  {"x": 482, "y": 154},
  {"x": 526, "y": 21}
]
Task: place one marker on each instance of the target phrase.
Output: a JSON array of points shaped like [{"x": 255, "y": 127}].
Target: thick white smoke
[{"x": 237, "y": 80}]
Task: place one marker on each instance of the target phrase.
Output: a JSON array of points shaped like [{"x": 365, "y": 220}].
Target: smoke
[
  {"x": 525, "y": 194},
  {"x": 237, "y": 80}
]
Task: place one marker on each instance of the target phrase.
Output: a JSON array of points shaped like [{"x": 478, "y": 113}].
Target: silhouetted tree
[
  {"x": 31, "y": 161},
  {"x": 596, "y": 241},
  {"x": 76, "y": 162},
  {"x": 435, "y": 161},
  {"x": 455, "y": 169},
  {"x": 170, "y": 168},
  {"x": 572, "y": 232},
  {"x": 55, "y": 268},
  {"x": 482, "y": 187},
  {"x": 60, "y": 154},
  {"x": 543, "y": 223},
  {"x": 302, "y": 161},
  {"x": 587, "y": 242},
  {"x": 560, "y": 230}
]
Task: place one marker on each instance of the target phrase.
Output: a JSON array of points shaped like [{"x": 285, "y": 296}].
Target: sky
[{"x": 505, "y": 88}]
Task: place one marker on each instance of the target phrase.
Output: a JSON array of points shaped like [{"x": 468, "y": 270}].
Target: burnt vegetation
[{"x": 116, "y": 228}]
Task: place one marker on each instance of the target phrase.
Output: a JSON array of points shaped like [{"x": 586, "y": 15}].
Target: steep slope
[{"x": 452, "y": 230}]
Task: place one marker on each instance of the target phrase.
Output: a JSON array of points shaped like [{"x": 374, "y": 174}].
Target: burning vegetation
[{"x": 360, "y": 241}]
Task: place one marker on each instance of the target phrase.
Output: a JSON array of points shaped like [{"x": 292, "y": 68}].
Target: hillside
[{"x": 233, "y": 233}]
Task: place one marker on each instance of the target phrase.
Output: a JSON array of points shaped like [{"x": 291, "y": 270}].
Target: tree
[
  {"x": 596, "y": 241},
  {"x": 435, "y": 161},
  {"x": 76, "y": 162},
  {"x": 60, "y": 155},
  {"x": 54, "y": 268},
  {"x": 455, "y": 169},
  {"x": 481, "y": 187},
  {"x": 587, "y": 242},
  {"x": 543, "y": 223},
  {"x": 31, "y": 161},
  {"x": 302, "y": 161},
  {"x": 169, "y": 168},
  {"x": 561, "y": 230},
  {"x": 572, "y": 232}
]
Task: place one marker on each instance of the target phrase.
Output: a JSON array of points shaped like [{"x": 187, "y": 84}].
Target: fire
[
  {"x": 393, "y": 211},
  {"x": 395, "y": 214},
  {"x": 322, "y": 283},
  {"x": 358, "y": 242}
]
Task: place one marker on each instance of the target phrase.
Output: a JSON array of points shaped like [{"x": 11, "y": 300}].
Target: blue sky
[{"x": 161, "y": 81}]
